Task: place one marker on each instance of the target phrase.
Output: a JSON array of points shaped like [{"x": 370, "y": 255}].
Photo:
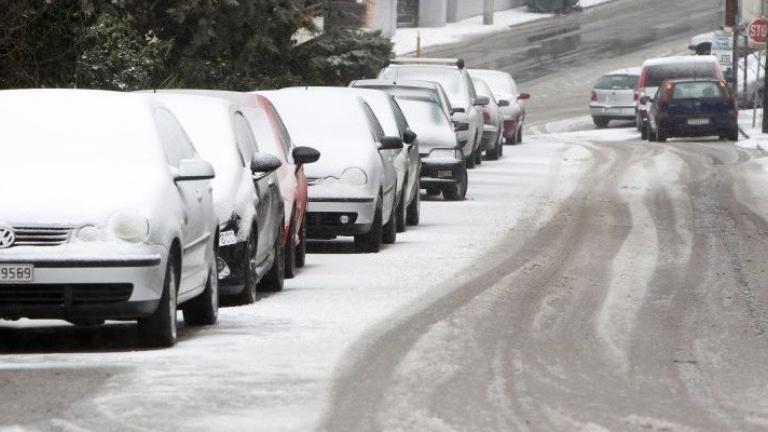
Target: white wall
[
  {"x": 461, "y": 9},
  {"x": 382, "y": 15}
]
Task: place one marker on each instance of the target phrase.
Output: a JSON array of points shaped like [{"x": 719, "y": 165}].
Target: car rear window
[
  {"x": 696, "y": 90},
  {"x": 616, "y": 82},
  {"x": 656, "y": 75}
]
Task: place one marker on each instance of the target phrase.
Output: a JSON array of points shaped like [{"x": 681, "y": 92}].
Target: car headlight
[
  {"x": 354, "y": 176},
  {"x": 445, "y": 153},
  {"x": 90, "y": 233},
  {"x": 129, "y": 226}
]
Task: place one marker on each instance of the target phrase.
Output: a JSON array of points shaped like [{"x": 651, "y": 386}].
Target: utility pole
[{"x": 489, "y": 9}]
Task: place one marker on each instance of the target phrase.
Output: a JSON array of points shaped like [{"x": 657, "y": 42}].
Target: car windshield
[
  {"x": 400, "y": 91},
  {"x": 697, "y": 90},
  {"x": 449, "y": 78},
  {"x": 617, "y": 82},
  {"x": 482, "y": 88},
  {"x": 498, "y": 82},
  {"x": 423, "y": 111},
  {"x": 657, "y": 74}
]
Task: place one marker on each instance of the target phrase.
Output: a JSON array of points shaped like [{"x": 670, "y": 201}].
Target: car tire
[
  {"x": 389, "y": 232},
  {"x": 645, "y": 132},
  {"x": 290, "y": 254},
  {"x": 159, "y": 329},
  {"x": 661, "y": 135},
  {"x": 519, "y": 138},
  {"x": 274, "y": 280},
  {"x": 511, "y": 140},
  {"x": 401, "y": 209},
  {"x": 493, "y": 154},
  {"x": 433, "y": 191},
  {"x": 413, "y": 213},
  {"x": 458, "y": 191},
  {"x": 733, "y": 135},
  {"x": 301, "y": 249},
  {"x": 471, "y": 160},
  {"x": 370, "y": 242},
  {"x": 478, "y": 157},
  {"x": 601, "y": 122},
  {"x": 204, "y": 309},
  {"x": 248, "y": 294}
]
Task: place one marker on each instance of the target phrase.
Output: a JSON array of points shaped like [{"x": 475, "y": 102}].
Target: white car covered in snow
[
  {"x": 107, "y": 213},
  {"x": 353, "y": 187}
]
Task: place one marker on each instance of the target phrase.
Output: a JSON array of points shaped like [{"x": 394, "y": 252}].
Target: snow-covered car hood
[
  {"x": 433, "y": 136},
  {"x": 75, "y": 195},
  {"x": 341, "y": 155}
]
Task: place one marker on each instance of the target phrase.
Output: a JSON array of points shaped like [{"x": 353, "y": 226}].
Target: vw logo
[{"x": 7, "y": 237}]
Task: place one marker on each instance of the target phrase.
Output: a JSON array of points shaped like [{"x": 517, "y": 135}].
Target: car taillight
[{"x": 665, "y": 95}]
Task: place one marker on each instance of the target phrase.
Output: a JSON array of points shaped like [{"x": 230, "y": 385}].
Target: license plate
[
  {"x": 445, "y": 173},
  {"x": 17, "y": 273},
  {"x": 227, "y": 238},
  {"x": 698, "y": 122}
]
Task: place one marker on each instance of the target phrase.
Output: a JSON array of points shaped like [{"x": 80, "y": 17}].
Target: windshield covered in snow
[
  {"x": 697, "y": 90},
  {"x": 450, "y": 79},
  {"x": 616, "y": 82},
  {"x": 657, "y": 74},
  {"x": 399, "y": 91},
  {"x": 499, "y": 83},
  {"x": 421, "y": 111}
]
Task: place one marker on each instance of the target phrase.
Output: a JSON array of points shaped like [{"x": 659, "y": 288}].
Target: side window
[
  {"x": 285, "y": 137},
  {"x": 245, "y": 141},
  {"x": 378, "y": 132},
  {"x": 176, "y": 143},
  {"x": 402, "y": 123},
  {"x": 470, "y": 86}
]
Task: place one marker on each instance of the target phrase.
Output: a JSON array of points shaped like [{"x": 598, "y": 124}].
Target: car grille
[
  {"x": 64, "y": 294},
  {"x": 40, "y": 236}
]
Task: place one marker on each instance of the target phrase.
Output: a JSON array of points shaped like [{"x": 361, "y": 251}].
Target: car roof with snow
[
  {"x": 679, "y": 59},
  {"x": 417, "y": 84},
  {"x": 634, "y": 71}
]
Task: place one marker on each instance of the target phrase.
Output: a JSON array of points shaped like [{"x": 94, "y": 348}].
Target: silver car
[
  {"x": 443, "y": 168},
  {"x": 613, "y": 97},
  {"x": 107, "y": 213},
  {"x": 492, "y": 123},
  {"x": 407, "y": 159},
  {"x": 353, "y": 187},
  {"x": 467, "y": 104}
]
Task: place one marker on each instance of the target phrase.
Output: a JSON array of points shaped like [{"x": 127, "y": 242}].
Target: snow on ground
[
  {"x": 269, "y": 366},
  {"x": 751, "y": 123},
  {"x": 405, "y": 39}
]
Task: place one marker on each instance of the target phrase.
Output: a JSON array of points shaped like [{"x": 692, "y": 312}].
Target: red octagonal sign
[{"x": 758, "y": 30}]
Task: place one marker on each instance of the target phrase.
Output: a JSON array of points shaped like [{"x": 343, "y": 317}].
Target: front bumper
[
  {"x": 328, "y": 217},
  {"x": 85, "y": 282},
  {"x": 438, "y": 172}
]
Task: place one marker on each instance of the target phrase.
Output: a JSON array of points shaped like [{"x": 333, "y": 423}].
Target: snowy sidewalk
[{"x": 405, "y": 38}]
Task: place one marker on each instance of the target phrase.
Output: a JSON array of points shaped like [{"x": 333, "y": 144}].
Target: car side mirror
[
  {"x": 644, "y": 100},
  {"x": 193, "y": 170},
  {"x": 458, "y": 110},
  {"x": 409, "y": 136},
  {"x": 264, "y": 163},
  {"x": 305, "y": 155},
  {"x": 503, "y": 103},
  {"x": 523, "y": 96},
  {"x": 482, "y": 101},
  {"x": 460, "y": 126},
  {"x": 391, "y": 143}
]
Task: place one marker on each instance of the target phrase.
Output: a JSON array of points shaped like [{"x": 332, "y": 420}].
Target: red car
[{"x": 272, "y": 137}]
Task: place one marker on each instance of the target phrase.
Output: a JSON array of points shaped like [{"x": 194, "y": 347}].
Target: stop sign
[{"x": 758, "y": 30}]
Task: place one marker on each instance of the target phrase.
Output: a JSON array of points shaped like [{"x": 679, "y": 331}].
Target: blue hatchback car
[{"x": 693, "y": 108}]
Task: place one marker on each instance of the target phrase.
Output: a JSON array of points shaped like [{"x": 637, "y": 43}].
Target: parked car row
[
  {"x": 131, "y": 206},
  {"x": 680, "y": 96}
]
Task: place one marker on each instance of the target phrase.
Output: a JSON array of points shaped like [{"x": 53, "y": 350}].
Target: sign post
[{"x": 757, "y": 31}]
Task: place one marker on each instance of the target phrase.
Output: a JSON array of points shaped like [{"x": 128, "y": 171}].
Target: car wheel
[
  {"x": 370, "y": 242},
  {"x": 638, "y": 122},
  {"x": 204, "y": 309},
  {"x": 601, "y": 122},
  {"x": 511, "y": 140},
  {"x": 644, "y": 132},
  {"x": 290, "y": 254},
  {"x": 660, "y": 135},
  {"x": 471, "y": 160},
  {"x": 389, "y": 234},
  {"x": 519, "y": 138},
  {"x": 493, "y": 154},
  {"x": 301, "y": 249},
  {"x": 159, "y": 329},
  {"x": 401, "y": 209},
  {"x": 273, "y": 281},
  {"x": 734, "y": 135},
  {"x": 457, "y": 192},
  {"x": 248, "y": 294},
  {"x": 433, "y": 191},
  {"x": 413, "y": 214},
  {"x": 478, "y": 157}
]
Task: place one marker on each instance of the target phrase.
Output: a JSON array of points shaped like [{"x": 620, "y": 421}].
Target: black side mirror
[
  {"x": 458, "y": 110},
  {"x": 503, "y": 103},
  {"x": 460, "y": 126},
  {"x": 482, "y": 101},
  {"x": 409, "y": 136},
  {"x": 391, "y": 143},
  {"x": 264, "y": 163},
  {"x": 305, "y": 155}
]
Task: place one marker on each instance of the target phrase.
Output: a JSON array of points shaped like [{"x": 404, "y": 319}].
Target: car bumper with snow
[
  {"x": 339, "y": 210},
  {"x": 613, "y": 112},
  {"x": 73, "y": 282},
  {"x": 438, "y": 172}
]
